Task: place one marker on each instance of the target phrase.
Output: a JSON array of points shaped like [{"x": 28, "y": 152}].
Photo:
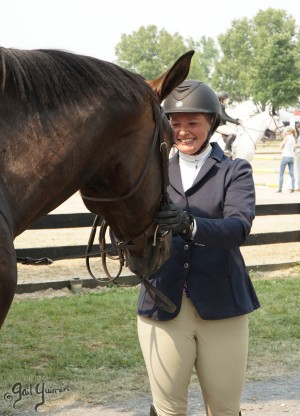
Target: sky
[{"x": 94, "y": 27}]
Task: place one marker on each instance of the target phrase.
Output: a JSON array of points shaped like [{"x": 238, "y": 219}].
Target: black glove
[
  {"x": 237, "y": 122},
  {"x": 172, "y": 218}
]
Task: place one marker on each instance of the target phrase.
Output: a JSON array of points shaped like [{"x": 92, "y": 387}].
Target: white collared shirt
[{"x": 190, "y": 166}]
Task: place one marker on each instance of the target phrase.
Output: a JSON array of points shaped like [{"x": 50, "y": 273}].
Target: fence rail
[{"x": 59, "y": 221}]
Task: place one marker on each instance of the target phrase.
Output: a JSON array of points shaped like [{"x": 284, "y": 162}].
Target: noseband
[
  {"x": 274, "y": 119},
  {"x": 158, "y": 135},
  {"x": 119, "y": 246}
]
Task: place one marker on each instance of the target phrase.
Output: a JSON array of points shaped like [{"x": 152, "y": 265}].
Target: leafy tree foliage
[
  {"x": 204, "y": 60},
  {"x": 256, "y": 59},
  {"x": 150, "y": 52},
  {"x": 260, "y": 60}
]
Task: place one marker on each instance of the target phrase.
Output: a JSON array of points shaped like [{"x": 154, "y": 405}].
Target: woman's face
[{"x": 190, "y": 131}]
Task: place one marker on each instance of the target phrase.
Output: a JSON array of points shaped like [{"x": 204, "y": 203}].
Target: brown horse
[{"x": 71, "y": 122}]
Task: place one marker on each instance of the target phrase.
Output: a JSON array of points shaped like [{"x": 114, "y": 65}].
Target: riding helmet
[
  {"x": 194, "y": 96},
  {"x": 222, "y": 95}
]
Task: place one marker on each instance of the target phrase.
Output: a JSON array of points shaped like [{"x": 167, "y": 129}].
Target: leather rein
[{"x": 118, "y": 246}]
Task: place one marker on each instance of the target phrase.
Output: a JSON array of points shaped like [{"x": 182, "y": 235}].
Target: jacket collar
[{"x": 215, "y": 157}]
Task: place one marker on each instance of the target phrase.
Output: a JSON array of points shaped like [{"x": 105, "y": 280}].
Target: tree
[
  {"x": 204, "y": 60},
  {"x": 260, "y": 60},
  {"x": 150, "y": 52},
  {"x": 276, "y": 74},
  {"x": 231, "y": 72}
]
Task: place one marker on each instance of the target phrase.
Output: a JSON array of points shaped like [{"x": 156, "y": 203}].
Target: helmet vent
[{"x": 183, "y": 90}]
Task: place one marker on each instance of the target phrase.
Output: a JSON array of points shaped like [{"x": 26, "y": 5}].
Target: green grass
[
  {"x": 88, "y": 343},
  {"x": 275, "y": 328}
]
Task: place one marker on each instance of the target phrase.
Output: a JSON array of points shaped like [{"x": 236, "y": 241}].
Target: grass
[
  {"x": 275, "y": 328},
  {"x": 87, "y": 346}
]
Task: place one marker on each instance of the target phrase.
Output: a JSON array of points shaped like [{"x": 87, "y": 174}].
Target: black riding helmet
[
  {"x": 222, "y": 95},
  {"x": 194, "y": 96}
]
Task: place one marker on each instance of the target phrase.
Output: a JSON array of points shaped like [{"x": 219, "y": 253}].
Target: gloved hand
[
  {"x": 172, "y": 218},
  {"x": 237, "y": 122}
]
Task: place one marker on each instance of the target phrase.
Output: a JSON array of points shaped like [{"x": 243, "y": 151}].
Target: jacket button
[
  {"x": 186, "y": 247},
  {"x": 186, "y": 265}
]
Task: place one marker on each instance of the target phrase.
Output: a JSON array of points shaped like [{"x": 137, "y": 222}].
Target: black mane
[{"x": 53, "y": 77}]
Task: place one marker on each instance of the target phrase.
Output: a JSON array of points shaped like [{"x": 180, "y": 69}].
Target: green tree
[
  {"x": 150, "y": 52},
  {"x": 231, "y": 71},
  {"x": 260, "y": 60},
  {"x": 206, "y": 56}
]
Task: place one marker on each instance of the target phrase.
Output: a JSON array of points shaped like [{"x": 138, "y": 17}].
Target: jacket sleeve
[
  {"x": 225, "y": 117},
  {"x": 238, "y": 212}
]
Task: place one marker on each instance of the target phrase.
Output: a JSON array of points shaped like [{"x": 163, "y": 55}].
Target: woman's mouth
[{"x": 186, "y": 141}]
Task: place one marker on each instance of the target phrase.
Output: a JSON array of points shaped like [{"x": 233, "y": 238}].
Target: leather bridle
[
  {"x": 119, "y": 246},
  {"x": 274, "y": 119},
  {"x": 272, "y": 114}
]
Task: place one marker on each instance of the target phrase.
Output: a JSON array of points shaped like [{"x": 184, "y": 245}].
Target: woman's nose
[{"x": 182, "y": 130}]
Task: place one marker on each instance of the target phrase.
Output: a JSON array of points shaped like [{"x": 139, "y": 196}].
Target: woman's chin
[{"x": 188, "y": 150}]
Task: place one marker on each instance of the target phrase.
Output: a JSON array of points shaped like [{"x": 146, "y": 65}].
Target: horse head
[
  {"x": 132, "y": 182},
  {"x": 275, "y": 124},
  {"x": 70, "y": 122},
  {"x": 252, "y": 130}
]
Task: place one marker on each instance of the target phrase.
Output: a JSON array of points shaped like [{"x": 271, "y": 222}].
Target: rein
[{"x": 118, "y": 246}]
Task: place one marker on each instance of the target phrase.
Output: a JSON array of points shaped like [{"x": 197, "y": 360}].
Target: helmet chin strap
[
  {"x": 202, "y": 147},
  {"x": 210, "y": 133}
]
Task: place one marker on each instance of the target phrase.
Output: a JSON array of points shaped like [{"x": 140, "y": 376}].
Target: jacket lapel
[
  {"x": 175, "y": 174},
  {"x": 215, "y": 157},
  {"x": 174, "y": 169}
]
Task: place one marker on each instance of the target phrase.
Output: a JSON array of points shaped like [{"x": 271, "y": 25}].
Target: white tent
[{"x": 286, "y": 116}]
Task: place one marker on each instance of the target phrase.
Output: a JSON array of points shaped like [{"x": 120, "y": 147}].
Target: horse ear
[{"x": 166, "y": 83}]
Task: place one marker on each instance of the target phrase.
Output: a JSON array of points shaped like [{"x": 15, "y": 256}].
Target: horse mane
[{"x": 50, "y": 77}]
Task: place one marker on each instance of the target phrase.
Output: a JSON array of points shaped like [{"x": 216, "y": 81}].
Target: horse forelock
[{"x": 55, "y": 77}]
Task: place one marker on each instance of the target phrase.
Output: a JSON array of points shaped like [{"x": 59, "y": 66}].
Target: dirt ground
[
  {"x": 274, "y": 396},
  {"x": 278, "y": 396}
]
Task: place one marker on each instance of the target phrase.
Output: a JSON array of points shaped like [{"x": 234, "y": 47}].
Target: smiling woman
[{"x": 210, "y": 216}]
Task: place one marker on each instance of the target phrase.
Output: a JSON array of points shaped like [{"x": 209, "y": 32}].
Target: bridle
[
  {"x": 119, "y": 246},
  {"x": 272, "y": 114}
]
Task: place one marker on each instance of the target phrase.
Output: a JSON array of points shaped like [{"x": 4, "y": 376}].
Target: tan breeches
[{"x": 216, "y": 349}]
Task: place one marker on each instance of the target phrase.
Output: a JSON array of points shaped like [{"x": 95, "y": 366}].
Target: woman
[
  {"x": 287, "y": 157},
  {"x": 297, "y": 147},
  {"x": 213, "y": 205}
]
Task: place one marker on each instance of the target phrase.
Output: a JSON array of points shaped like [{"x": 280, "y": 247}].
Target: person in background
[
  {"x": 297, "y": 125},
  {"x": 287, "y": 156},
  {"x": 210, "y": 216},
  {"x": 230, "y": 137}
]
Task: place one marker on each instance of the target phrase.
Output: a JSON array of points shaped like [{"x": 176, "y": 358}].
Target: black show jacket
[{"x": 222, "y": 200}]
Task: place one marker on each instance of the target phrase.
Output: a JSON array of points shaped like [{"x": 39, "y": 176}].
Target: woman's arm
[{"x": 283, "y": 142}]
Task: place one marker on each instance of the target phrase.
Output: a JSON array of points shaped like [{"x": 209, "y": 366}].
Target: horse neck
[
  {"x": 38, "y": 173},
  {"x": 256, "y": 126}
]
